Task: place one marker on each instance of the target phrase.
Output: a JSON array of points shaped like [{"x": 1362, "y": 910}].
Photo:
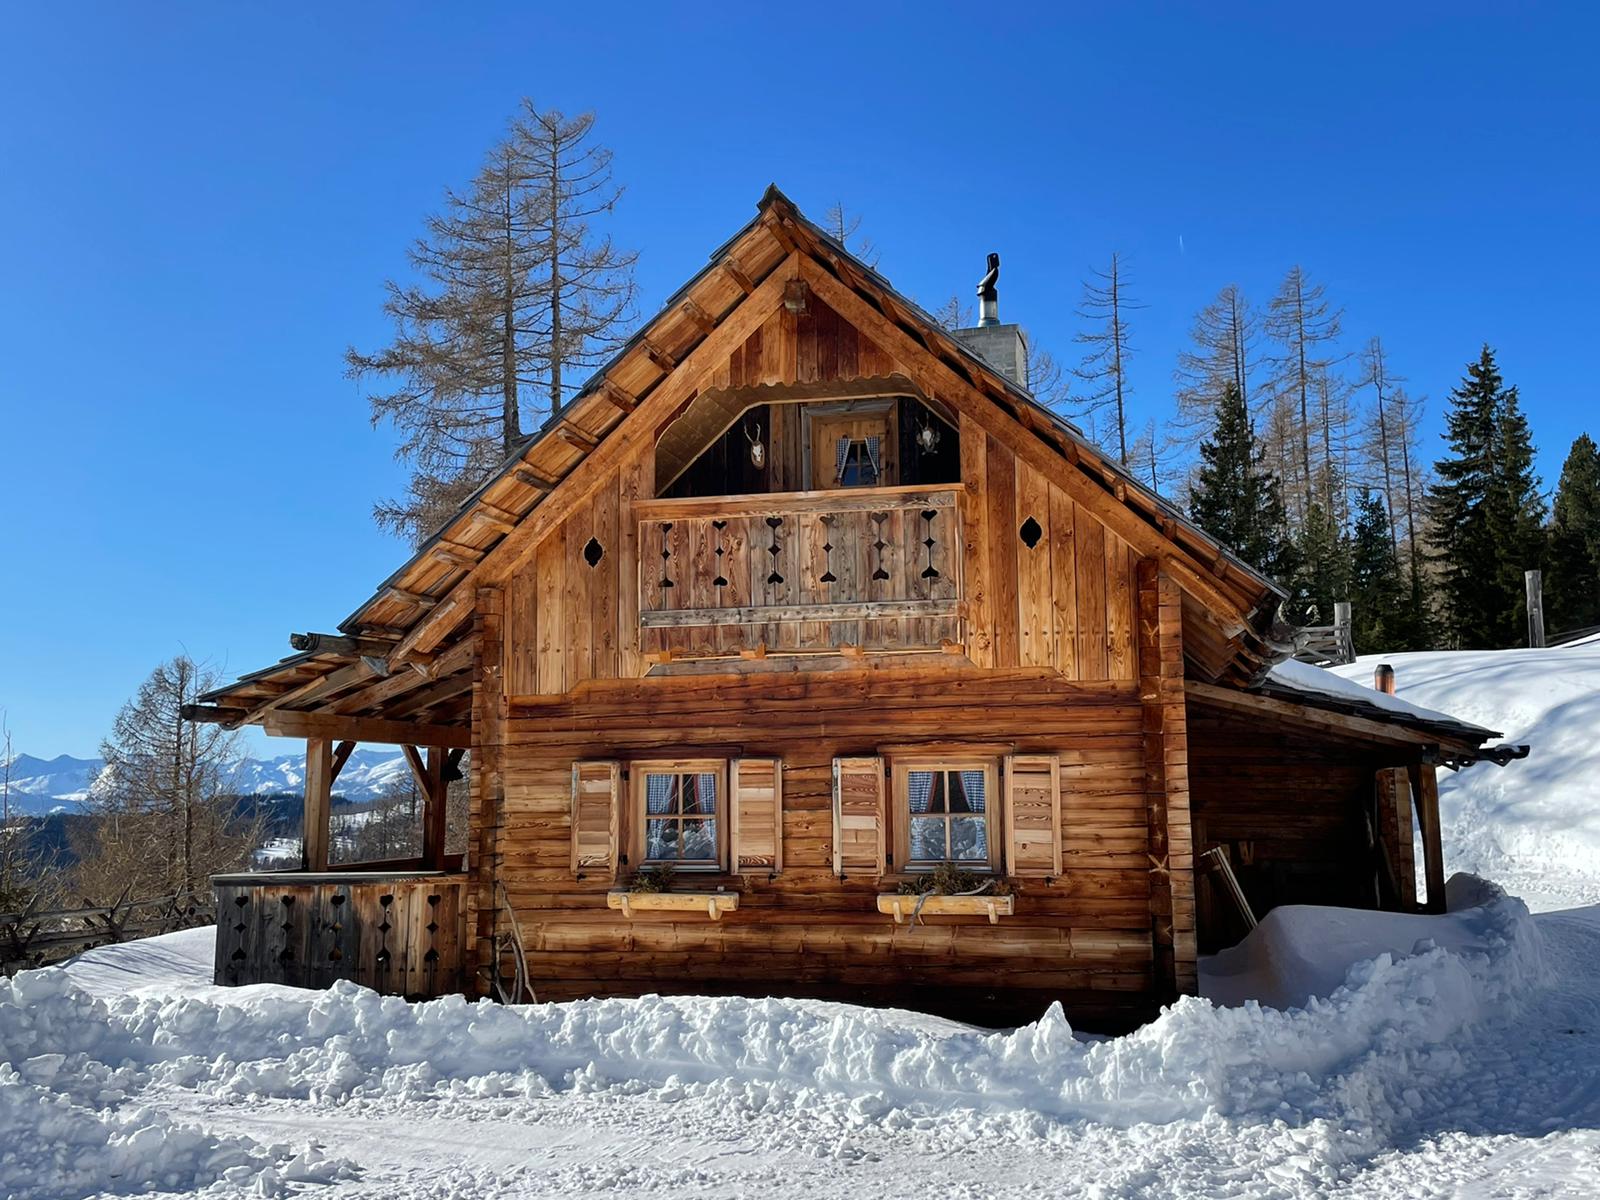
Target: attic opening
[{"x": 743, "y": 448}]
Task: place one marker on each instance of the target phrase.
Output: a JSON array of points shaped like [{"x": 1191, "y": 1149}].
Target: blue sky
[{"x": 199, "y": 205}]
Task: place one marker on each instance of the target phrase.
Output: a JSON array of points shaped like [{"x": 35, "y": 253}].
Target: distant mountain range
[{"x": 41, "y": 785}]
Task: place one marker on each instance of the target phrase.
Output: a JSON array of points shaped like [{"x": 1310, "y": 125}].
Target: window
[
  {"x": 856, "y": 462},
  {"x": 945, "y": 812},
  {"x": 679, "y": 813}
]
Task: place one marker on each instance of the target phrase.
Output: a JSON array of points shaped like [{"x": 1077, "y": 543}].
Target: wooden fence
[{"x": 36, "y": 937}]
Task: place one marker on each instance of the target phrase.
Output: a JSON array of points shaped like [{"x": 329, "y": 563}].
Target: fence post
[
  {"x": 1534, "y": 581},
  {"x": 1343, "y": 635}
]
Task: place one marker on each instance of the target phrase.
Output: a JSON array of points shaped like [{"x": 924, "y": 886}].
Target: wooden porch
[
  {"x": 396, "y": 926},
  {"x": 396, "y": 932}
]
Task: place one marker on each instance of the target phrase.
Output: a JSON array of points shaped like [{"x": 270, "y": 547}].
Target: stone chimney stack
[{"x": 1001, "y": 346}]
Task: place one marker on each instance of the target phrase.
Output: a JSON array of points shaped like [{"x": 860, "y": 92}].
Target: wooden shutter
[
  {"x": 596, "y": 816},
  {"x": 858, "y": 816},
  {"x": 755, "y": 789},
  {"x": 1033, "y": 814}
]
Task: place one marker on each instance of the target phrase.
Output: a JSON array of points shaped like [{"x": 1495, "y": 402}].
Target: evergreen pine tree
[
  {"x": 1323, "y": 576},
  {"x": 1487, "y": 515},
  {"x": 1572, "y": 588},
  {"x": 1235, "y": 498},
  {"x": 1380, "y": 610}
]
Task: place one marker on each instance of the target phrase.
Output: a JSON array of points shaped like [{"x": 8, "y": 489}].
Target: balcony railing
[{"x": 871, "y": 570}]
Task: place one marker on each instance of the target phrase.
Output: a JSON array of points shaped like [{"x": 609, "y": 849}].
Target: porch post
[
  {"x": 433, "y": 810},
  {"x": 1425, "y": 794},
  {"x": 318, "y": 799}
]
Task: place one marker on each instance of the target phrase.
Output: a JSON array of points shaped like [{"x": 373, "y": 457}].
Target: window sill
[
  {"x": 903, "y": 907},
  {"x": 707, "y": 904}
]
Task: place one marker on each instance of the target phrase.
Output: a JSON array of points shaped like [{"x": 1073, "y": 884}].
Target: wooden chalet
[{"x": 804, "y": 596}]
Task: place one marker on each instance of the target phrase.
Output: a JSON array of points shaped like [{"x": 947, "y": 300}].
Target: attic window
[{"x": 856, "y": 462}]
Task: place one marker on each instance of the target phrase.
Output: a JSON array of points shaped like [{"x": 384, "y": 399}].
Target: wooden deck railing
[
  {"x": 396, "y": 932},
  {"x": 876, "y": 569},
  {"x": 36, "y": 937}
]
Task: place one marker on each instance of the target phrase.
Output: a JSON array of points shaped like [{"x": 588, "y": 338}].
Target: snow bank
[
  {"x": 1534, "y": 825},
  {"x": 1363, "y": 1058},
  {"x": 1317, "y": 681}
]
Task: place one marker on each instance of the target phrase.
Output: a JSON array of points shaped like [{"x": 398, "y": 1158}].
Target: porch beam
[
  {"x": 435, "y": 811},
  {"x": 1425, "y": 792},
  {"x": 318, "y": 801},
  {"x": 366, "y": 729}
]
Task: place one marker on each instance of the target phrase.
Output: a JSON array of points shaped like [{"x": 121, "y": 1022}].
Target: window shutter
[
  {"x": 596, "y": 816},
  {"x": 858, "y": 816},
  {"x": 756, "y": 791},
  {"x": 1033, "y": 814}
]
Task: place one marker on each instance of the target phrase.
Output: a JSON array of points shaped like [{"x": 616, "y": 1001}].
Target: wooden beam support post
[
  {"x": 487, "y": 803},
  {"x": 318, "y": 800},
  {"x": 1425, "y": 794},
  {"x": 434, "y": 810},
  {"x": 1166, "y": 782}
]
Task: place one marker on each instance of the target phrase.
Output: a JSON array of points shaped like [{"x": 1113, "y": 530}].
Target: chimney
[{"x": 1001, "y": 346}]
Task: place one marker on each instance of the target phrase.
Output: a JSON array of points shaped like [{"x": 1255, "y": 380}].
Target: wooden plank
[
  {"x": 1064, "y": 582},
  {"x": 318, "y": 799},
  {"x": 783, "y": 503},
  {"x": 1425, "y": 792},
  {"x": 1035, "y": 572},
  {"x": 1000, "y": 468},
  {"x": 367, "y": 729},
  {"x": 1093, "y": 661},
  {"x": 768, "y": 614},
  {"x": 435, "y": 810},
  {"x": 975, "y": 543}
]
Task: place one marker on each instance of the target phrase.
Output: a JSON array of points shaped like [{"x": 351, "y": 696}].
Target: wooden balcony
[
  {"x": 399, "y": 932},
  {"x": 871, "y": 570}
]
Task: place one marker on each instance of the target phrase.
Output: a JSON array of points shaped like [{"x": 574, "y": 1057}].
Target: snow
[
  {"x": 1448, "y": 1055},
  {"x": 1332, "y": 1053},
  {"x": 1317, "y": 681},
  {"x": 1533, "y": 825}
]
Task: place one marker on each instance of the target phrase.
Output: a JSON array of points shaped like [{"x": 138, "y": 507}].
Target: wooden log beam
[
  {"x": 320, "y": 685},
  {"x": 338, "y": 643},
  {"x": 435, "y": 811},
  {"x": 1425, "y": 793},
  {"x": 573, "y": 436},
  {"x": 366, "y": 729},
  {"x": 863, "y": 610},
  {"x": 619, "y": 397},
  {"x": 230, "y": 718},
  {"x": 634, "y": 429},
  {"x": 341, "y": 755},
  {"x": 1358, "y": 728},
  {"x": 318, "y": 801},
  {"x": 534, "y": 480},
  {"x": 418, "y": 599},
  {"x": 731, "y": 268},
  {"x": 456, "y": 555}
]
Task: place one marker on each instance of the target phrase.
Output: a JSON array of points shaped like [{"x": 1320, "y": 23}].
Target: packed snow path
[{"x": 1467, "y": 1069}]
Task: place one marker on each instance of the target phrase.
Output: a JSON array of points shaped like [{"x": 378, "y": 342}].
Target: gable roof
[{"x": 421, "y": 612}]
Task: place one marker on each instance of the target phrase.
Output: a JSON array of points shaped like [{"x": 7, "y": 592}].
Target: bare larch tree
[
  {"x": 516, "y": 297},
  {"x": 1302, "y": 326},
  {"x": 1104, "y": 369},
  {"x": 164, "y": 819},
  {"x": 843, "y": 226},
  {"x": 1221, "y": 352}
]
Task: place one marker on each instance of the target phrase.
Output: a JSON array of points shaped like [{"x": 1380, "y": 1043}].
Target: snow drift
[
  {"x": 1359, "y": 1060},
  {"x": 1533, "y": 825}
]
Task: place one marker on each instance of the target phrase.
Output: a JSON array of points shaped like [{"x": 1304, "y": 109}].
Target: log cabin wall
[
  {"x": 1083, "y": 936},
  {"x": 1042, "y": 660},
  {"x": 1291, "y": 808}
]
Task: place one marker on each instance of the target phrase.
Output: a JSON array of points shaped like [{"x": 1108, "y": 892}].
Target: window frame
[
  {"x": 900, "y": 769},
  {"x": 639, "y": 771}
]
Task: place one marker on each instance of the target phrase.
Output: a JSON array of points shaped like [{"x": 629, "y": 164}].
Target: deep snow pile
[
  {"x": 1533, "y": 825},
  {"x": 1374, "y": 1054}
]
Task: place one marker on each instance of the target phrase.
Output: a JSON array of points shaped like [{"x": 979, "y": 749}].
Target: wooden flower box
[
  {"x": 902, "y": 907},
  {"x": 706, "y": 904}
]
